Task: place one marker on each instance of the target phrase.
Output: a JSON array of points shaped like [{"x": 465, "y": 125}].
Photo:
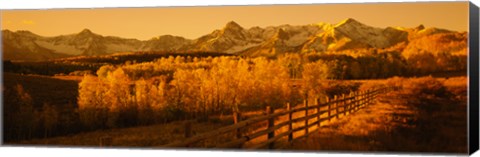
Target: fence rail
[{"x": 333, "y": 108}]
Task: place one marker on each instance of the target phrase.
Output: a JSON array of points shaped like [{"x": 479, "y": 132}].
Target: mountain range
[{"x": 234, "y": 39}]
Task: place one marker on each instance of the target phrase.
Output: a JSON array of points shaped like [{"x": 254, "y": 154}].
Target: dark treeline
[
  {"x": 342, "y": 66},
  {"x": 74, "y": 65},
  {"x": 47, "y": 67},
  {"x": 139, "y": 57}
]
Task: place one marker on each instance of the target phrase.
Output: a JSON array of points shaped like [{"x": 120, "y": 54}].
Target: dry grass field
[
  {"x": 144, "y": 137},
  {"x": 393, "y": 124}
]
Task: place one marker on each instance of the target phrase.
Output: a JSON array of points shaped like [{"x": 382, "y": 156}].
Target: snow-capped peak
[
  {"x": 348, "y": 21},
  {"x": 232, "y": 25},
  {"x": 86, "y": 32},
  {"x": 352, "y": 34}
]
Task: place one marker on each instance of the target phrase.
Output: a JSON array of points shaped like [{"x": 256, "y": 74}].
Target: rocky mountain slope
[{"x": 232, "y": 38}]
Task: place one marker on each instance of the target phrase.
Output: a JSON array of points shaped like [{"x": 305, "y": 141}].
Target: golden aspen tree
[
  {"x": 143, "y": 102},
  {"x": 313, "y": 74},
  {"x": 91, "y": 104},
  {"x": 122, "y": 110}
]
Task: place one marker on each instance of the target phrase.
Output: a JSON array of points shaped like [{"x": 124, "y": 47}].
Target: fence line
[{"x": 336, "y": 107}]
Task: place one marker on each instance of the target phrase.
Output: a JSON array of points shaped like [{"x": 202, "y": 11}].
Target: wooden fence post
[
  {"x": 374, "y": 95},
  {"x": 366, "y": 98},
  {"x": 236, "y": 119},
  {"x": 344, "y": 102},
  {"x": 370, "y": 96},
  {"x": 270, "y": 125},
  {"x": 357, "y": 99},
  {"x": 350, "y": 103},
  {"x": 347, "y": 103},
  {"x": 362, "y": 99},
  {"x": 335, "y": 99},
  {"x": 318, "y": 111},
  {"x": 329, "y": 108},
  {"x": 305, "y": 102},
  {"x": 290, "y": 125},
  {"x": 354, "y": 101}
]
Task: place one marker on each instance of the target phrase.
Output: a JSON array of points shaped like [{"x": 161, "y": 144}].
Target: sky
[{"x": 193, "y": 22}]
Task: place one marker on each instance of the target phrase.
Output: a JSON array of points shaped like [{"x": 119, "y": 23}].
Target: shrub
[
  {"x": 427, "y": 94},
  {"x": 395, "y": 82},
  {"x": 337, "y": 88}
]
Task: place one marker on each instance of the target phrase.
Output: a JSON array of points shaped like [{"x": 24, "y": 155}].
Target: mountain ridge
[{"x": 232, "y": 38}]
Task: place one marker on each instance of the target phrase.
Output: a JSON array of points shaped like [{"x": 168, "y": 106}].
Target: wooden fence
[{"x": 312, "y": 116}]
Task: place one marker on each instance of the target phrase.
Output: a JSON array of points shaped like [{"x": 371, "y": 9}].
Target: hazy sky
[{"x": 192, "y": 22}]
